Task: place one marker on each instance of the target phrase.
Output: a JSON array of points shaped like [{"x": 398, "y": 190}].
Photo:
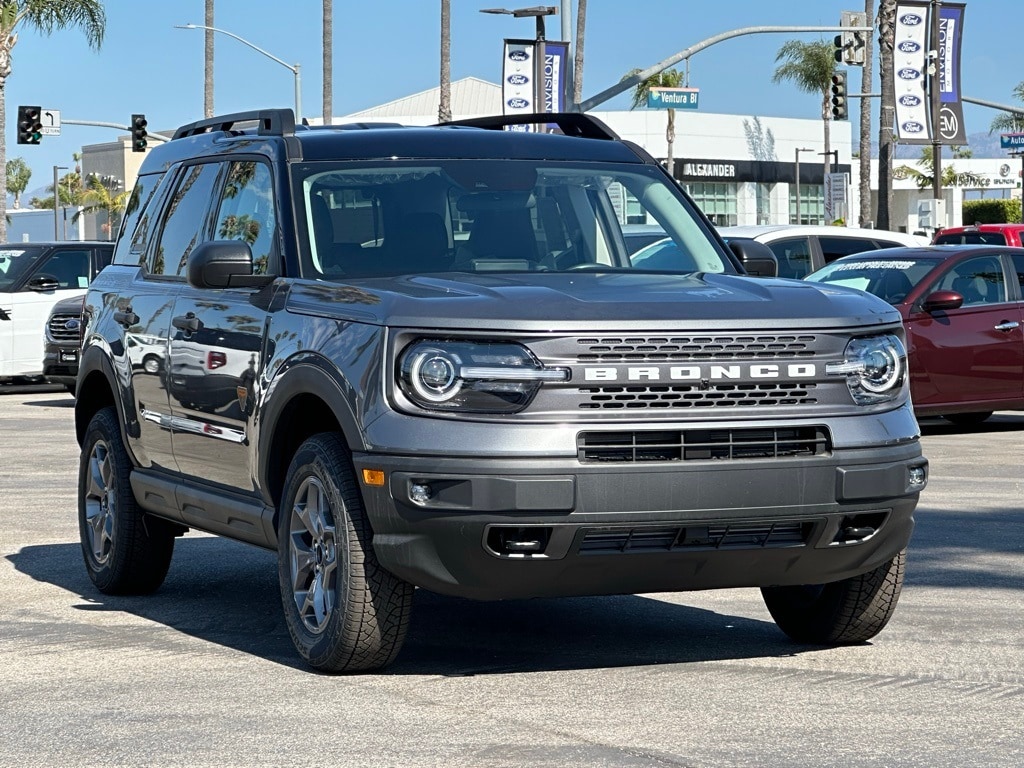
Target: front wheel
[
  {"x": 345, "y": 613},
  {"x": 126, "y": 552},
  {"x": 840, "y": 613}
]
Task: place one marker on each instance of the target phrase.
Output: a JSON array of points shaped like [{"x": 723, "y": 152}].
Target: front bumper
[{"x": 515, "y": 528}]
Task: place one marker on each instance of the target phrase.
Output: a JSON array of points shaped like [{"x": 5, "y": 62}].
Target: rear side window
[
  {"x": 131, "y": 241},
  {"x": 971, "y": 238},
  {"x": 833, "y": 248},
  {"x": 794, "y": 256}
]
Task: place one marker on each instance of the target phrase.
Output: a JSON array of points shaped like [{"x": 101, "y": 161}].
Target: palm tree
[
  {"x": 328, "y": 34},
  {"x": 924, "y": 176},
  {"x": 887, "y": 110},
  {"x": 44, "y": 16},
  {"x": 1010, "y": 122},
  {"x": 69, "y": 190},
  {"x": 101, "y": 197},
  {"x": 810, "y": 66},
  {"x": 444, "y": 107},
  {"x": 864, "y": 191},
  {"x": 667, "y": 78},
  {"x": 208, "y": 61},
  {"x": 18, "y": 175},
  {"x": 577, "y": 66}
]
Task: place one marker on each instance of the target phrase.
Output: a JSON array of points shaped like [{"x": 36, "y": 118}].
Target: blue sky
[{"x": 386, "y": 49}]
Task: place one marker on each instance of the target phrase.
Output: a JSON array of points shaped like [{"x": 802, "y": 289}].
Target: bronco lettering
[{"x": 697, "y": 372}]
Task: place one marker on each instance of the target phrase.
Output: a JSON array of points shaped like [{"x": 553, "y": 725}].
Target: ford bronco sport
[{"x": 420, "y": 357}]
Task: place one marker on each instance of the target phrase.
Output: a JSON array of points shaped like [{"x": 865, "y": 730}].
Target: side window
[
  {"x": 246, "y": 212},
  {"x": 978, "y": 280},
  {"x": 103, "y": 257},
  {"x": 794, "y": 256},
  {"x": 132, "y": 239},
  {"x": 186, "y": 224},
  {"x": 833, "y": 248},
  {"x": 1018, "y": 268},
  {"x": 70, "y": 268}
]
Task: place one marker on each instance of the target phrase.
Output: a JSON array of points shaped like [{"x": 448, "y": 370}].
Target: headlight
[
  {"x": 476, "y": 377},
  {"x": 875, "y": 368}
]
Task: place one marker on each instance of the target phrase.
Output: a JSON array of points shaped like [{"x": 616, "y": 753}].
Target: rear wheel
[
  {"x": 345, "y": 613},
  {"x": 968, "y": 419},
  {"x": 849, "y": 611},
  {"x": 126, "y": 551}
]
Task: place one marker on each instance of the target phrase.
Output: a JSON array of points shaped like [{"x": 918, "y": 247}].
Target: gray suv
[{"x": 420, "y": 357}]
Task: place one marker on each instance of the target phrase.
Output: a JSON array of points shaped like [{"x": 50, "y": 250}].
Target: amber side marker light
[{"x": 373, "y": 476}]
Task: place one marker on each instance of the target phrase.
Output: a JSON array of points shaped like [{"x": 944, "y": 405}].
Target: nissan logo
[
  {"x": 518, "y": 55},
  {"x": 518, "y": 79},
  {"x": 518, "y": 103},
  {"x": 910, "y": 19},
  {"x": 911, "y": 127},
  {"x": 909, "y": 46},
  {"x": 909, "y": 73},
  {"x": 910, "y": 100}
]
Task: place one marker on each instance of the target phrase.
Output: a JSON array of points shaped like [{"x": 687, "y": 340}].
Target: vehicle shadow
[
  {"x": 999, "y": 422},
  {"x": 66, "y": 401},
  {"x": 227, "y": 593}
]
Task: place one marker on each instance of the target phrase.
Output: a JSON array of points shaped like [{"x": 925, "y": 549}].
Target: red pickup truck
[{"x": 984, "y": 234}]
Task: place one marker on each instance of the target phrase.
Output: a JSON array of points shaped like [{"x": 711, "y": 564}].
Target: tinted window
[
  {"x": 1018, "y": 267},
  {"x": 794, "y": 256},
  {"x": 247, "y": 212},
  {"x": 134, "y": 235},
  {"x": 971, "y": 238},
  {"x": 15, "y": 263},
  {"x": 833, "y": 248},
  {"x": 103, "y": 257},
  {"x": 186, "y": 223},
  {"x": 69, "y": 268},
  {"x": 978, "y": 280}
]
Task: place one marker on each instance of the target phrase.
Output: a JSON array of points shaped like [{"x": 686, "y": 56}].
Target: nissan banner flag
[
  {"x": 910, "y": 57},
  {"x": 951, "y": 109}
]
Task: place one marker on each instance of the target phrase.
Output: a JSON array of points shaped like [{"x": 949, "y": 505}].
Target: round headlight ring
[{"x": 433, "y": 374}]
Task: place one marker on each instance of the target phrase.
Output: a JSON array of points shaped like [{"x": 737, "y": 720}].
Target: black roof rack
[
  {"x": 269, "y": 122},
  {"x": 575, "y": 124}
]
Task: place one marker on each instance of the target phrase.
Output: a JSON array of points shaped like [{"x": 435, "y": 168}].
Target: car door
[
  {"x": 974, "y": 353},
  {"x": 217, "y": 343}
]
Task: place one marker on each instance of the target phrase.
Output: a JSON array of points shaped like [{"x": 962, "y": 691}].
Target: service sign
[{"x": 909, "y": 75}]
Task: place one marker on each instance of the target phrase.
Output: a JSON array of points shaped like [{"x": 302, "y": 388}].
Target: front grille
[
  {"x": 621, "y": 540},
  {"x": 702, "y": 445},
  {"x": 668, "y": 349},
  {"x": 58, "y": 332},
  {"x": 693, "y": 396}
]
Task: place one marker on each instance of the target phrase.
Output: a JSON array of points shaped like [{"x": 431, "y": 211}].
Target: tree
[
  {"x": 18, "y": 175},
  {"x": 444, "y": 107},
  {"x": 810, "y": 66},
  {"x": 45, "y": 16},
  {"x": 328, "y": 46},
  {"x": 887, "y": 110},
  {"x": 577, "y": 66},
  {"x": 69, "y": 190},
  {"x": 864, "y": 154},
  {"x": 667, "y": 78},
  {"x": 208, "y": 61},
  {"x": 102, "y": 196},
  {"x": 924, "y": 176},
  {"x": 1010, "y": 122}
]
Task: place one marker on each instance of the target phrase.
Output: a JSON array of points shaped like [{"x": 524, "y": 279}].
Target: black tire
[
  {"x": 844, "y": 612},
  {"x": 360, "y": 618},
  {"x": 968, "y": 419},
  {"x": 126, "y": 551}
]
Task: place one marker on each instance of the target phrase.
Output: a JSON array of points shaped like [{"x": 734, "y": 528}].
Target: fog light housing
[
  {"x": 917, "y": 477},
  {"x": 420, "y": 493}
]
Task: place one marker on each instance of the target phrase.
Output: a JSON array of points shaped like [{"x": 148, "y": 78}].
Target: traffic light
[
  {"x": 839, "y": 98},
  {"x": 139, "y": 140},
  {"x": 840, "y": 49},
  {"x": 30, "y": 125}
]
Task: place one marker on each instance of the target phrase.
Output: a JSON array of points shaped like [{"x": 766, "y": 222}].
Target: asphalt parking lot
[{"x": 203, "y": 673}]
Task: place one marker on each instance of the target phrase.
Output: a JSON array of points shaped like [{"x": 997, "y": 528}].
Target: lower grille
[
  {"x": 620, "y": 540},
  {"x": 702, "y": 445}
]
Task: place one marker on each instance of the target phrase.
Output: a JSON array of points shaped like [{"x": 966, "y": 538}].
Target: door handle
[
  {"x": 1007, "y": 326},
  {"x": 127, "y": 318},
  {"x": 187, "y": 323}
]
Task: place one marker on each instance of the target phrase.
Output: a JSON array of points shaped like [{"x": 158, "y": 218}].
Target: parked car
[
  {"x": 33, "y": 278},
  {"x": 981, "y": 234},
  {"x": 63, "y": 342},
  {"x": 638, "y": 236},
  {"x": 962, "y": 307},
  {"x": 801, "y": 249}
]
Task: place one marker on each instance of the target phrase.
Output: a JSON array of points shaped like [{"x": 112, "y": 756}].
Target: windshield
[
  {"x": 494, "y": 216},
  {"x": 888, "y": 279},
  {"x": 15, "y": 263}
]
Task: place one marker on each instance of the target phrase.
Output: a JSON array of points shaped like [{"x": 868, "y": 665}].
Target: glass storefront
[
  {"x": 716, "y": 200},
  {"x": 812, "y": 204}
]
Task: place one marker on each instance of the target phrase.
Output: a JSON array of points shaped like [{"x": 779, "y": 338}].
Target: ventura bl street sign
[{"x": 673, "y": 98}]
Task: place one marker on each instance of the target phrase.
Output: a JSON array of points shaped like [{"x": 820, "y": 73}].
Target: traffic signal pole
[{"x": 99, "y": 124}]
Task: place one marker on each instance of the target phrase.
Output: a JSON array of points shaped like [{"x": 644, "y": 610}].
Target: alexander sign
[{"x": 717, "y": 170}]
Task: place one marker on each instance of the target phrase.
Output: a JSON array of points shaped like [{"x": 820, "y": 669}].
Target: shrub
[{"x": 990, "y": 211}]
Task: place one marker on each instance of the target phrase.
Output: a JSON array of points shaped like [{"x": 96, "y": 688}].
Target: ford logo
[
  {"x": 72, "y": 324},
  {"x": 909, "y": 73},
  {"x": 911, "y": 127},
  {"x": 518, "y": 79},
  {"x": 910, "y": 100},
  {"x": 910, "y": 19},
  {"x": 519, "y": 55},
  {"x": 518, "y": 103},
  {"x": 909, "y": 46}
]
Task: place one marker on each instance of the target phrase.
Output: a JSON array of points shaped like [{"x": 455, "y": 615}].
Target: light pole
[
  {"x": 799, "y": 218},
  {"x": 539, "y": 52},
  {"x": 294, "y": 69},
  {"x": 56, "y": 201}
]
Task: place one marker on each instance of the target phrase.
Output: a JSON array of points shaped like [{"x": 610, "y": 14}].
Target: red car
[
  {"x": 962, "y": 308},
  {"x": 981, "y": 234}
]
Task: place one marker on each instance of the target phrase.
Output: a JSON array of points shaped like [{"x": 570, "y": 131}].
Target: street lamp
[
  {"x": 799, "y": 217},
  {"x": 294, "y": 69},
  {"x": 56, "y": 201},
  {"x": 538, "y": 12}
]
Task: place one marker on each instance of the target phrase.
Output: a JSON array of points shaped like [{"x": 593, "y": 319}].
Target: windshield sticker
[{"x": 873, "y": 265}]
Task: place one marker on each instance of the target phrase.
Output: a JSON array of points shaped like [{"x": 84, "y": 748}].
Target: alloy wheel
[{"x": 313, "y": 555}]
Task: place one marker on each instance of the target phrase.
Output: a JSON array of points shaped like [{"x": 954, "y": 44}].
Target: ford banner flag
[
  {"x": 519, "y": 92},
  {"x": 909, "y": 73}
]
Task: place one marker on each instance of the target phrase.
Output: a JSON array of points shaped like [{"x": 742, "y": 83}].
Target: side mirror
[
  {"x": 43, "y": 283},
  {"x": 223, "y": 264},
  {"x": 939, "y": 300},
  {"x": 757, "y": 258}
]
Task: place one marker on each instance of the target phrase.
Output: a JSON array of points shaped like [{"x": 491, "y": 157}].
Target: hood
[{"x": 565, "y": 301}]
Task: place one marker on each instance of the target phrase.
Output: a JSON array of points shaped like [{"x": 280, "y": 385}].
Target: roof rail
[
  {"x": 570, "y": 123},
  {"x": 269, "y": 122}
]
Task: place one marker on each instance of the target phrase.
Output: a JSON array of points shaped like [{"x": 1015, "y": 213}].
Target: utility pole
[
  {"x": 56, "y": 201},
  {"x": 933, "y": 84}
]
